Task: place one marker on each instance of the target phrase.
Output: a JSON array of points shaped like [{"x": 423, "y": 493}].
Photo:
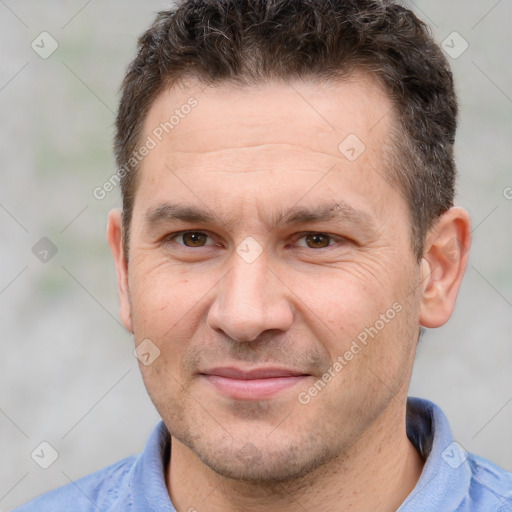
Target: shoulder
[
  {"x": 97, "y": 491},
  {"x": 490, "y": 486}
]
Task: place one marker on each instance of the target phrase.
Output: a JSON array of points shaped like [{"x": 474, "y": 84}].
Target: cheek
[
  {"x": 163, "y": 296},
  {"x": 344, "y": 300},
  {"x": 164, "y": 312},
  {"x": 367, "y": 326},
  {"x": 168, "y": 306}
]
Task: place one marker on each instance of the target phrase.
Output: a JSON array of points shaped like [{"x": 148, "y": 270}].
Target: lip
[{"x": 252, "y": 384}]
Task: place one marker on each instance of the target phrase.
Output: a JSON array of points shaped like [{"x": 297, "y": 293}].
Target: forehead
[
  {"x": 312, "y": 112},
  {"x": 246, "y": 147}
]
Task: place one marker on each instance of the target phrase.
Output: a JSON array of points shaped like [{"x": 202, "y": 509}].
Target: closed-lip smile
[{"x": 254, "y": 383}]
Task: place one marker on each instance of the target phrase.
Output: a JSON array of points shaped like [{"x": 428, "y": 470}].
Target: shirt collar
[
  {"x": 146, "y": 489},
  {"x": 446, "y": 475}
]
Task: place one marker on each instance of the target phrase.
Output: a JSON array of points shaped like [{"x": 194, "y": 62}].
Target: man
[{"x": 287, "y": 230}]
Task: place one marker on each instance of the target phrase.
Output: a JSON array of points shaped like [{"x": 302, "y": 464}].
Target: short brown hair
[{"x": 248, "y": 41}]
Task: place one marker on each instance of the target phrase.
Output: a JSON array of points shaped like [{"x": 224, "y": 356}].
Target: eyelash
[{"x": 336, "y": 239}]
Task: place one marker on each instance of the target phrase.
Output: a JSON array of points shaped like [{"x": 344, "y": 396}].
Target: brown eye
[
  {"x": 194, "y": 238},
  {"x": 317, "y": 240}
]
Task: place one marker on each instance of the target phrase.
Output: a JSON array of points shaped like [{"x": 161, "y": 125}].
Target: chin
[{"x": 260, "y": 463}]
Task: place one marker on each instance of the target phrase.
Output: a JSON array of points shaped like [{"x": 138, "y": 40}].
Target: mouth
[{"x": 252, "y": 384}]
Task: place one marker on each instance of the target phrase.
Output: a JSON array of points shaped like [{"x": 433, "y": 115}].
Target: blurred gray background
[{"x": 67, "y": 372}]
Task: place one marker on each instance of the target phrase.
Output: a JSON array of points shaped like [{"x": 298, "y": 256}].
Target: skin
[{"x": 245, "y": 155}]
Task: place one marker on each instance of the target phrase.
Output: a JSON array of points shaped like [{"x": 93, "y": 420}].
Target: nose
[{"x": 250, "y": 300}]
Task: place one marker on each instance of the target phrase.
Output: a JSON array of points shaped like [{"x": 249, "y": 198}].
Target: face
[{"x": 271, "y": 266}]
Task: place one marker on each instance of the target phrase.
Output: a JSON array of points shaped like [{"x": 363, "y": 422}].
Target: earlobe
[
  {"x": 443, "y": 266},
  {"x": 115, "y": 241}
]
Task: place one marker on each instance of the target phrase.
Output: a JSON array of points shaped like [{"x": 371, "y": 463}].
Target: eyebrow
[
  {"x": 337, "y": 211},
  {"x": 168, "y": 212}
]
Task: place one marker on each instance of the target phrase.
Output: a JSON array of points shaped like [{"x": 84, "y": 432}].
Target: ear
[
  {"x": 115, "y": 240},
  {"x": 443, "y": 266}
]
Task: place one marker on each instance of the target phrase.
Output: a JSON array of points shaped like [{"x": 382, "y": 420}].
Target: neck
[{"x": 378, "y": 472}]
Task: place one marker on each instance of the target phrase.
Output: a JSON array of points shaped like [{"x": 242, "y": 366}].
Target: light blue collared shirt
[{"x": 452, "y": 480}]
